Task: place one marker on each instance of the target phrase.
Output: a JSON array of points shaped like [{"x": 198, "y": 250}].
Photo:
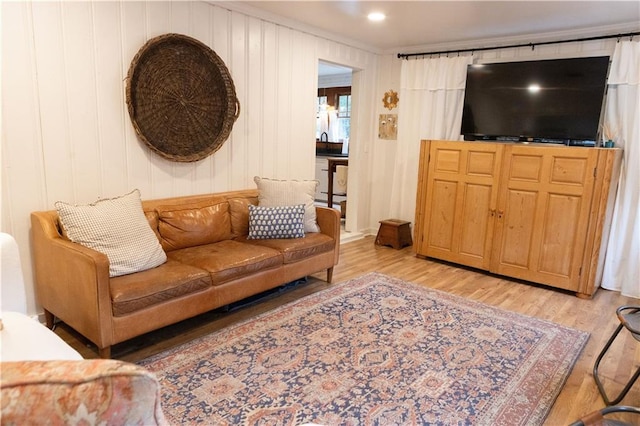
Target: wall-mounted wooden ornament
[
  {"x": 390, "y": 100},
  {"x": 388, "y": 126}
]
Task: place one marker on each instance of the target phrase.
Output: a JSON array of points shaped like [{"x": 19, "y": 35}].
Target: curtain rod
[{"x": 532, "y": 45}]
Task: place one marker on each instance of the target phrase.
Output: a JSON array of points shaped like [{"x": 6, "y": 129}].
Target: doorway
[{"x": 333, "y": 134}]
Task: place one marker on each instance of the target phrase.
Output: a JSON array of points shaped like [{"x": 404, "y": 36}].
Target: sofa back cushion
[
  {"x": 195, "y": 224},
  {"x": 152, "y": 218},
  {"x": 239, "y": 212}
]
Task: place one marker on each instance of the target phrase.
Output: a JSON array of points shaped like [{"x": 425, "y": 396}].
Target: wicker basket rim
[{"x": 213, "y": 68}]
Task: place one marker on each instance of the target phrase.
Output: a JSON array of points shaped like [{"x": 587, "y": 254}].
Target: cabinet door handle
[
  {"x": 492, "y": 212},
  {"x": 500, "y": 214}
]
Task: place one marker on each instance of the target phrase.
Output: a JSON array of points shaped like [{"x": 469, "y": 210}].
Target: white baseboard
[{"x": 346, "y": 237}]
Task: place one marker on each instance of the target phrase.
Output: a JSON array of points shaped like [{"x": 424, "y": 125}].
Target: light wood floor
[{"x": 596, "y": 316}]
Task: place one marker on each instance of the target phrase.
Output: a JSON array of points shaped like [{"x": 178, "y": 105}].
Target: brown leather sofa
[{"x": 73, "y": 283}]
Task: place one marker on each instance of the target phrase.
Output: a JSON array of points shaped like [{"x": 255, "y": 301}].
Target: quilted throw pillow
[
  {"x": 276, "y": 222},
  {"x": 273, "y": 193},
  {"x": 116, "y": 227}
]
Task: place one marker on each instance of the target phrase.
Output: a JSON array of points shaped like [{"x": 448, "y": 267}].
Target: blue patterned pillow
[{"x": 276, "y": 222}]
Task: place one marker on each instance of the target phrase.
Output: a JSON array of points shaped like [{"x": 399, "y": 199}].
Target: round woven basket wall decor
[{"x": 181, "y": 98}]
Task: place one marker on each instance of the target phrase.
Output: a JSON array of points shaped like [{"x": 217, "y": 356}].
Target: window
[
  {"x": 344, "y": 106},
  {"x": 344, "y": 117},
  {"x": 322, "y": 100},
  {"x": 334, "y": 113}
]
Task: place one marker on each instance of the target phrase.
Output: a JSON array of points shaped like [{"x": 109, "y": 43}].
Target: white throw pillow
[
  {"x": 116, "y": 227},
  {"x": 275, "y": 193}
]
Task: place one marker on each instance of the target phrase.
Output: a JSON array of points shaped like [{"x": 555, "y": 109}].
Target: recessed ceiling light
[{"x": 376, "y": 16}]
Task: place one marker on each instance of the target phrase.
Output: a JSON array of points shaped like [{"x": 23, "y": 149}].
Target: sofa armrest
[
  {"x": 79, "y": 392},
  {"x": 72, "y": 281},
  {"x": 329, "y": 223}
]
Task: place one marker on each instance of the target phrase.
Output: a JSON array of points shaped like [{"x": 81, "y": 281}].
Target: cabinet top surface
[{"x": 532, "y": 144}]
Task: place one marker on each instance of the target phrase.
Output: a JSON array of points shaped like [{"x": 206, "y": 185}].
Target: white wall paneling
[
  {"x": 269, "y": 102},
  {"x": 23, "y": 179},
  {"x": 66, "y": 132},
  {"x": 384, "y": 152},
  {"x": 219, "y": 23},
  {"x": 110, "y": 72}
]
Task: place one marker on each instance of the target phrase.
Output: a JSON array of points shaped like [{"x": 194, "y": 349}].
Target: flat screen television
[{"x": 555, "y": 101}]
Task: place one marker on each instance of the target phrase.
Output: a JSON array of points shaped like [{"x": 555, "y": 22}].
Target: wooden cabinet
[
  {"x": 543, "y": 213},
  {"x": 534, "y": 212},
  {"x": 460, "y": 187}
]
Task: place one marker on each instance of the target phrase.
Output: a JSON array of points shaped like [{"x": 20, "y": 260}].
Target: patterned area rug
[{"x": 373, "y": 350}]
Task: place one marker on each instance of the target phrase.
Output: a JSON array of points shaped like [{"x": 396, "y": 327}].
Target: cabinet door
[
  {"x": 460, "y": 200},
  {"x": 543, "y": 213}
]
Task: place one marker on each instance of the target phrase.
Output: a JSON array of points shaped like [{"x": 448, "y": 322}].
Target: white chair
[
  {"x": 23, "y": 338},
  {"x": 13, "y": 296}
]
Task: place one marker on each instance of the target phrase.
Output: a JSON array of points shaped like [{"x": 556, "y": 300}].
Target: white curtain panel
[
  {"x": 622, "y": 261},
  {"x": 432, "y": 96}
]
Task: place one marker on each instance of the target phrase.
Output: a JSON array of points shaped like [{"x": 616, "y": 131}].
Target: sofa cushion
[
  {"x": 96, "y": 391},
  {"x": 116, "y": 227},
  {"x": 228, "y": 260},
  {"x": 152, "y": 218},
  {"x": 189, "y": 225},
  {"x": 276, "y": 222},
  {"x": 298, "y": 249},
  {"x": 239, "y": 212},
  {"x": 130, "y": 293},
  {"x": 274, "y": 192}
]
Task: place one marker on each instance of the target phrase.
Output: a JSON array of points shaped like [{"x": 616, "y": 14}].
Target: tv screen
[{"x": 558, "y": 100}]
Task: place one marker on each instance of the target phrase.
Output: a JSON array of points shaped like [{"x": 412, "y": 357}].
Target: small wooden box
[{"x": 395, "y": 233}]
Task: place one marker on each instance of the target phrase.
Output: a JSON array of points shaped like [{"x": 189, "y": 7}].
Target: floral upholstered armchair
[
  {"x": 87, "y": 392},
  {"x": 44, "y": 380}
]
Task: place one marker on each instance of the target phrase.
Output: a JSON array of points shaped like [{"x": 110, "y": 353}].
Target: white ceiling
[{"x": 412, "y": 25}]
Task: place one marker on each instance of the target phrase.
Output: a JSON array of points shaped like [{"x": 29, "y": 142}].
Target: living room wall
[{"x": 66, "y": 132}]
